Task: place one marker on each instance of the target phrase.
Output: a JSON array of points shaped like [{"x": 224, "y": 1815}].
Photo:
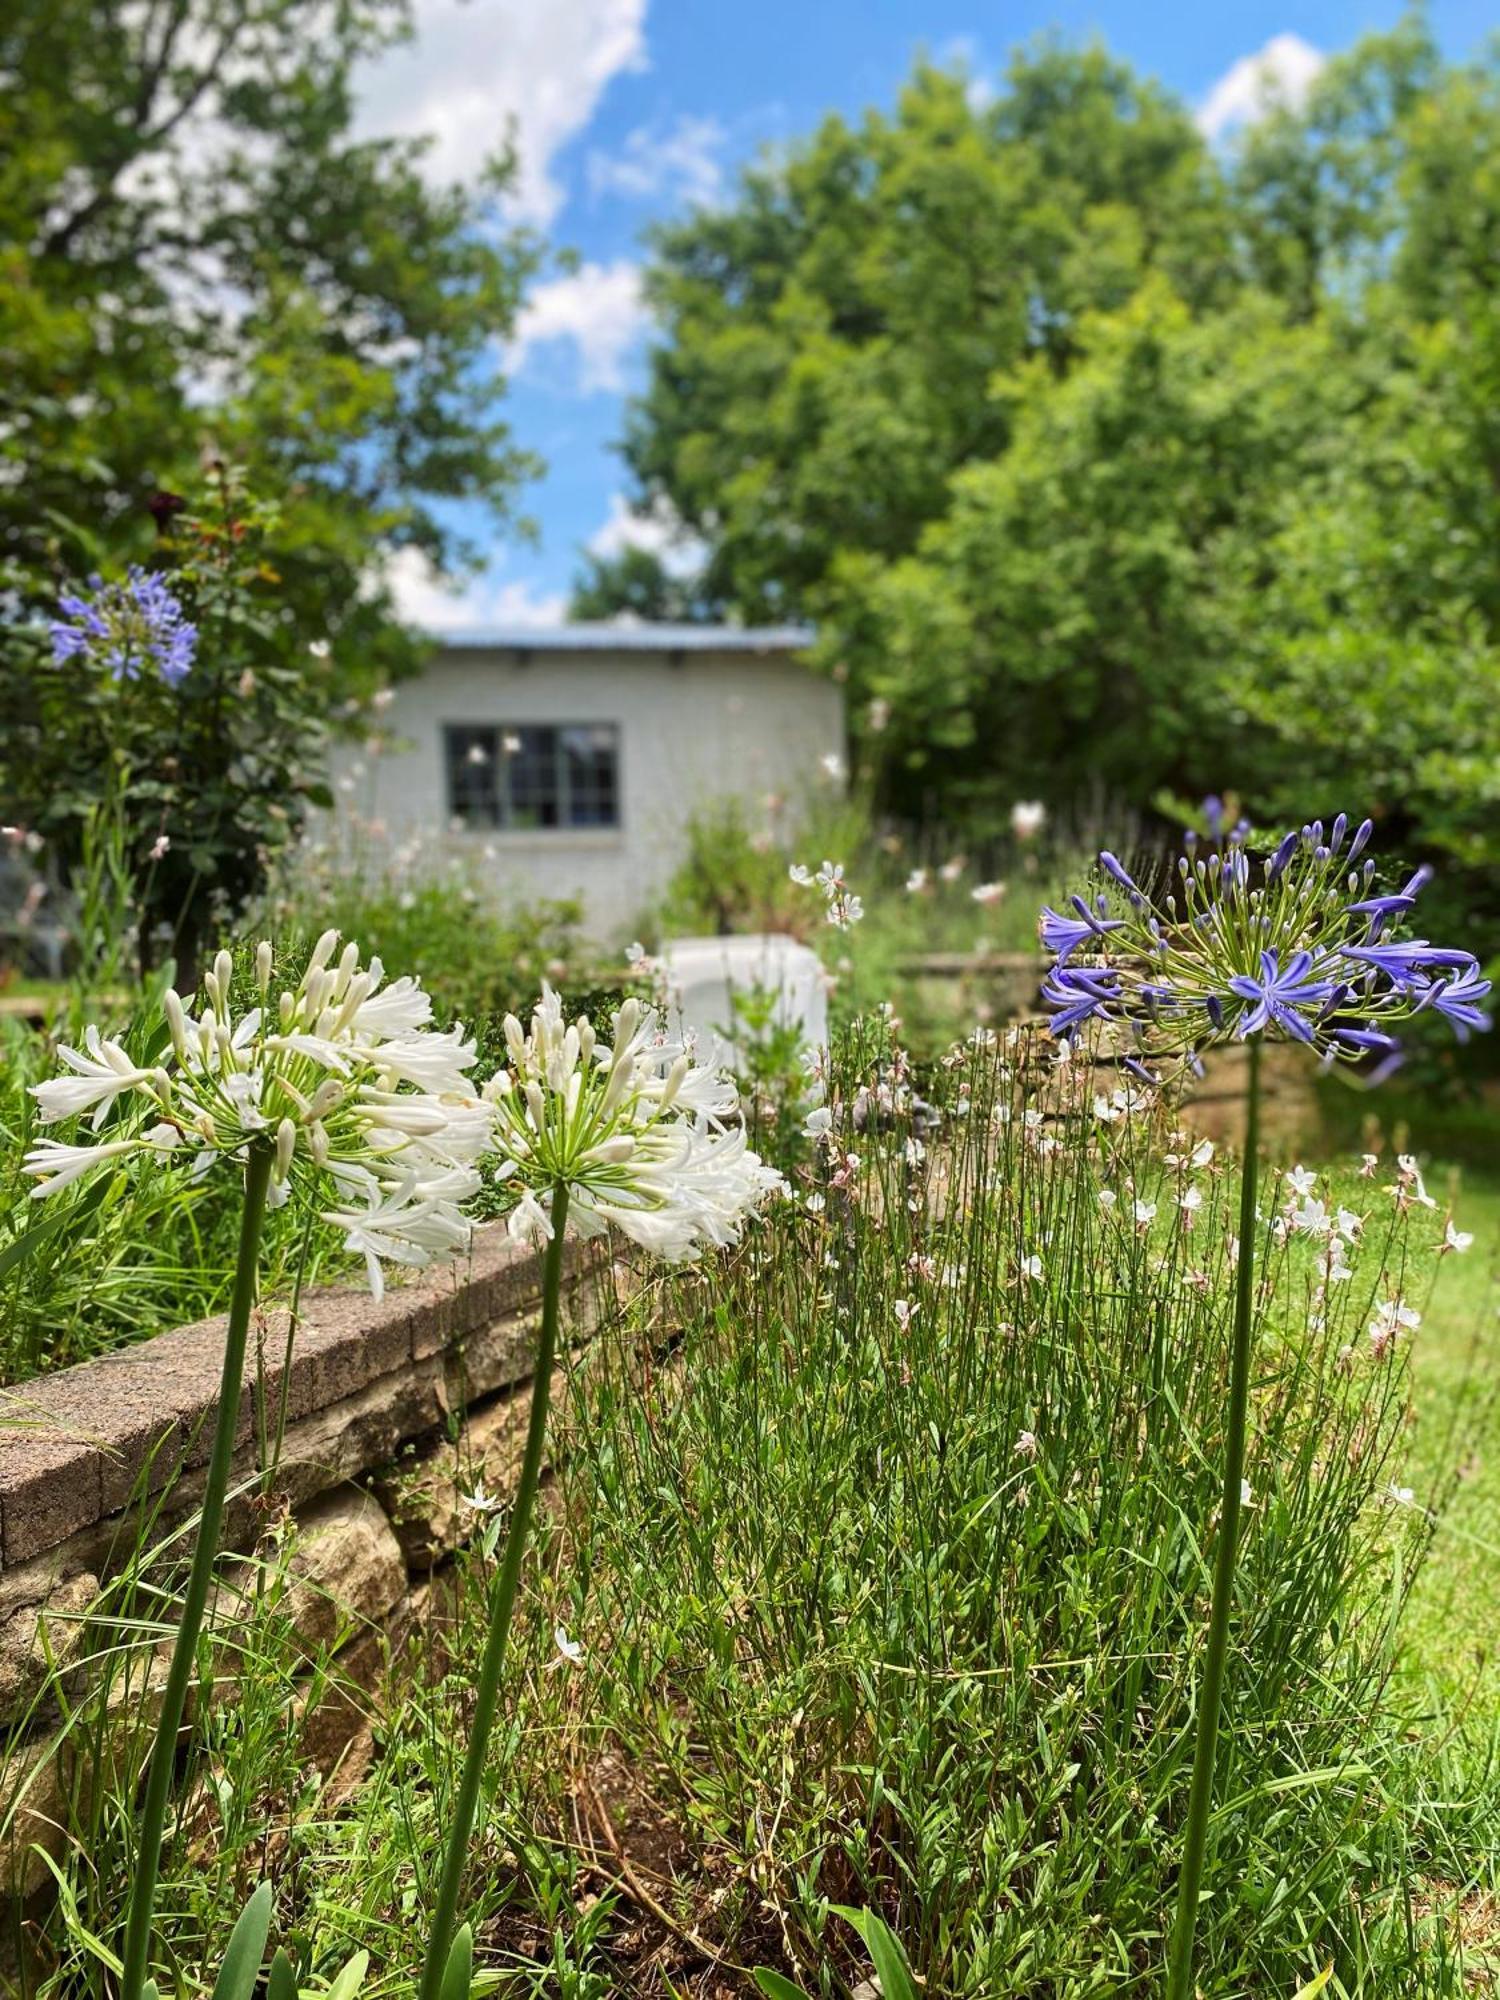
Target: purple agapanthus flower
[
  {"x": 1062, "y": 935},
  {"x": 1292, "y": 944},
  {"x": 1457, "y": 1000},
  {"x": 1283, "y": 996},
  {"x": 130, "y": 628},
  {"x": 1075, "y": 995}
]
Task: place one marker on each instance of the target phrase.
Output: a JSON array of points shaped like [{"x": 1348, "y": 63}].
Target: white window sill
[{"x": 541, "y": 840}]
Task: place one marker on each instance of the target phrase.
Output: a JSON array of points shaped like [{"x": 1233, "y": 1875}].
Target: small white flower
[
  {"x": 1368, "y": 1163},
  {"x": 918, "y": 881},
  {"x": 1247, "y": 1493},
  {"x": 1202, "y": 1153},
  {"x": 1107, "y": 1197},
  {"x": 569, "y": 1649},
  {"x": 1027, "y": 817},
  {"x": 160, "y": 846},
  {"x": 1031, "y": 1267},
  {"x": 831, "y": 764},
  {"x": 1301, "y": 1181},
  {"x": 1145, "y": 1214},
  {"x": 1403, "y": 1496},
  {"x": 905, "y": 1311},
  {"x": 952, "y": 869},
  {"x": 1310, "y": 1218},
  {"x": 1455, "y": 1239},
  {"x": 1026, "y": 1445},
  {"x": 818, "y": 1124},
  {"x": 986, "y": 893},
  {"x": 1391, "y": 1320},
  {"x": 481, "y": 1501}
]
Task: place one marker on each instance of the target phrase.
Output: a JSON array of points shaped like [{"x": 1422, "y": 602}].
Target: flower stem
[
  {"x": 200, "y": 1577},
  {"x": 1211, "y": 1693},
  {"x": 502, "y": 1603}
]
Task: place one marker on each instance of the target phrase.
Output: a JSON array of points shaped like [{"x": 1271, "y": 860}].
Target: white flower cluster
[
  {"x": 638, "y": 1132},
  {"x": 842, "y": 907},
  {"x": 342, "y": 1078}
]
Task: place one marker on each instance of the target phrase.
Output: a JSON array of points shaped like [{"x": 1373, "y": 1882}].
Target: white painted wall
[{"x": 710, "y": 727}]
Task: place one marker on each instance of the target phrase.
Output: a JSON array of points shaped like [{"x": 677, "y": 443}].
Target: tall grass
[{"x": 886, "y": 1551}]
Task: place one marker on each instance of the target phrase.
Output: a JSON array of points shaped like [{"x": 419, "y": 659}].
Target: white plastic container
[{"x": 704, "y": 973}]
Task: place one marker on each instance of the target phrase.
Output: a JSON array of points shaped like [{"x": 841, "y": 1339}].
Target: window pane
[
  {"x": 589, "y": 768},
  {"x": 531, "y": 778},
  {"x": 472, "y": 756}
]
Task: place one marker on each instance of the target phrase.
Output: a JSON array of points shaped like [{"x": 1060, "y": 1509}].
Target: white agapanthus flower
[
  {"x": 640, "y": 1134},
  {"x": 341, "y": 1077}
]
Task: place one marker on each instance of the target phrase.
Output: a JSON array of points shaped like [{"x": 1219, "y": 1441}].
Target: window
[{"x": 534, "y": 776}]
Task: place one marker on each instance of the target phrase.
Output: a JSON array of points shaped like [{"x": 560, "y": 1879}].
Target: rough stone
[
  {"x": 423, "y": 1493},
  {"x": 38, "y": 1640},
  {"x": 347, "y": 1570}
]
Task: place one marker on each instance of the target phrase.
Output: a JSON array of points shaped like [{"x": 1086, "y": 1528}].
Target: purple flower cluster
[
  {"x": 130, "y": 628},
  {"x": 1293, "y": 944}
]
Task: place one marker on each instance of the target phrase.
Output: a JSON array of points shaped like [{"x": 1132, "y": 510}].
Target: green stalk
[
  {"x": 1210, "y": 1700},
  {"x": 205, "y": 1555},
  {"x": 502, "y": 1603}
]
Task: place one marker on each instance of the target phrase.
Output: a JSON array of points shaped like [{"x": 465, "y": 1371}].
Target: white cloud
[
  {"x": 425, "y": 600},
  {"x": 598, "y": 309},
  {"x": 657, "y": 530},
  {"x": 679, "y": 162},
  {"x": 1281, "y": 73},
  {"x": 478, "y": 68}
]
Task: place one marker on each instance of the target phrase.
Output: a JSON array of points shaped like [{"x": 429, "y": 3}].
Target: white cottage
[{"x": 568, "y": 760}]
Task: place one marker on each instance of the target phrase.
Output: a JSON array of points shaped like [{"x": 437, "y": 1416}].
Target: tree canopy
[
  {"x": 197, "y": 249},
  {"x": 1103, "y": 457}
]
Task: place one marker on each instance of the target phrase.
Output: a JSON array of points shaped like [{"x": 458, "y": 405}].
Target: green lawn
[{"x": 1453, "y": 1629}]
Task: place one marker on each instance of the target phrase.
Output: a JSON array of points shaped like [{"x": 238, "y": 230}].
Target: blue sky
[{"x": 626, "y": 111}]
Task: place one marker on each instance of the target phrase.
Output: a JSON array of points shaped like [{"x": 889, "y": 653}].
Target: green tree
[
  {"x": 1106, "y": 461},
  {"x": 831, "y": 338},
  {"x": 638, "y": 583},
  {"x": 196, "y": 249}
]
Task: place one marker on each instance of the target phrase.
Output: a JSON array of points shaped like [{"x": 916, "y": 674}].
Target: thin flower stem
[
  {"x": 502, "y": 1603},
  {"x": 1210, "y": 1700},
  {"x": 205, "y": 1555}
]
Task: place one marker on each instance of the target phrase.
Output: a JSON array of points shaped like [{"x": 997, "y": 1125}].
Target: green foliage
[
  {"x": 199, "y": 785},
  {"x": 439, "y": 920},
  {"x": 1099, "y": 458},
  {"x": 195, "y": 246},
  {"x": 845, "y": 1647}
]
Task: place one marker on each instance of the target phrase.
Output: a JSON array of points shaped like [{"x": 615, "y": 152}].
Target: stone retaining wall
[{"x": 393, "y": 1409}]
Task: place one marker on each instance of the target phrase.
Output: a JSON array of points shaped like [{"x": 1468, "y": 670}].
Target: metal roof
[{"x": 628, "y": 637}]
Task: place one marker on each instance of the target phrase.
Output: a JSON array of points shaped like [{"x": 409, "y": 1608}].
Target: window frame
[{"x": 504, "y": 823}]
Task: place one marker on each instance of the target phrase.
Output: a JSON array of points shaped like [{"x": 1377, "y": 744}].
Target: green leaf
[
  {"x": 282, "y": 1984},
  {"x": 458, "y": 1973},
  {"x": 1315, "y": 1985},
  {"x": 351, "y": 1978},
  {"x": 896, "y": 1982},
  {"x": 246, "y": 1948},
  {"x": 778, "y": 1986}
]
